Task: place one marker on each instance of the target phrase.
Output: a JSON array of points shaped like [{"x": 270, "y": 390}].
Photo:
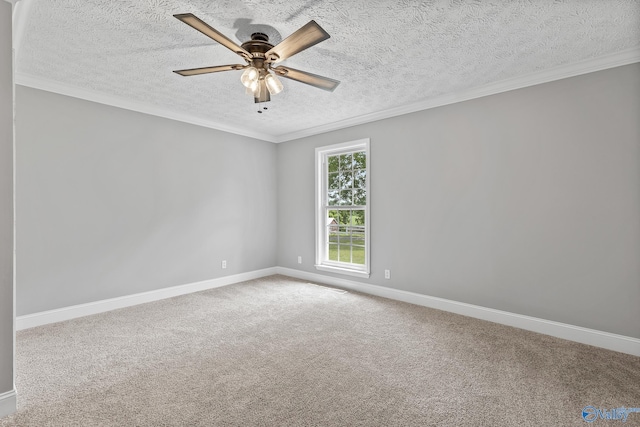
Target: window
[{"x": 342, "y": 212}]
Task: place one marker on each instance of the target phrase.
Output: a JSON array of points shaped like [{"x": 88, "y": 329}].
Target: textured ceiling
[{"x": 385, "y": 53}]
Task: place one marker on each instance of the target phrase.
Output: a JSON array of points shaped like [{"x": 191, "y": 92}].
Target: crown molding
[
  {"x": 625, "y": 57},
  {"x": 36, "y": 82},
  {"x": 21, "y": 11}
]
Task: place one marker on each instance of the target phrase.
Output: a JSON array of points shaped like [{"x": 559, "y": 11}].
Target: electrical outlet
[
  {"x": 299, "y": 259},
  {"x": 224, "y": 263},
  {"x": 387, "y": 274}
]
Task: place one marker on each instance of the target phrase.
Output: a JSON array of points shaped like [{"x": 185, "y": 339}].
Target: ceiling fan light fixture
[
  {"x": 273, "y": 84},
  {"x": 253, "y": 88},
  {"x": 250, "y": 77}
]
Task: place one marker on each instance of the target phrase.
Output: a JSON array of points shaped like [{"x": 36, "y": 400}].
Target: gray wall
[
  {"x": 111, "y": 202},
  {"x": 526, "y": 201},
  {"x": 6, "y": 201}
]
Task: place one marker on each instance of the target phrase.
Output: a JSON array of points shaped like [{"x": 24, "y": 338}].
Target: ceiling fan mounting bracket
[{"x": 260, "y": 36}]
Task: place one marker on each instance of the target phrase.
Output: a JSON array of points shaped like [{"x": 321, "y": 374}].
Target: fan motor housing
[{"x": 258, "y": 45}]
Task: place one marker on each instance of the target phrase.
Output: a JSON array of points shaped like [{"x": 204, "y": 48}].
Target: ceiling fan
[{"x": 259, "y": 76}]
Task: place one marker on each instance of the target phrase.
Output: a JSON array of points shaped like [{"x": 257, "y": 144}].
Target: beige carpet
[{"x": 282, "y": 352}]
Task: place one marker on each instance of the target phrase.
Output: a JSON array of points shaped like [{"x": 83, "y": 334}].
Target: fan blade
[
  {"x": 315, "y": 80},
  {"x": 195, "y": 22},
  {"x": 206, "y": 70},
  {"x": 308, "y": 35}
]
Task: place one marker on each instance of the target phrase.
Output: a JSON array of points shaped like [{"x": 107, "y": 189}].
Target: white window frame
[{"x": 322, "y": 262}]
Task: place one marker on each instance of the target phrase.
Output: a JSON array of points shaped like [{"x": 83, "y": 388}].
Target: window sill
[{"x": 345, "y": 271}]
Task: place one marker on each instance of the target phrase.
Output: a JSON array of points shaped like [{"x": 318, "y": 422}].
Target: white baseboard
[
  {"x": 7, "y": 403},
  {"x": 579, "y": 334},
  {"x": 72, "y": 312}
]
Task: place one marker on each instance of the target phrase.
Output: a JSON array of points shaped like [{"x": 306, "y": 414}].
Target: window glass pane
[
  {"x": 334, "y": 181},
  {"x": 358, "y": 255},
  {"x": 358, "y": 217},
  {"x": 332, "y": 226},
  {"x": 333, "y": 197},
  {"x": 346, "y": 197},
  {"x": 346, "y": 180},
  {"x": 333, "y": 162},
  {"x": 333, "y": 252},
  {"x": 360, "y": 197},
  {"x": 345, "y": 218},
  {"x": 346, "y": 162},
  {"x": 360, "y": 160},
  {"x": 345, "y": 253},
  {"x": 360, "y": 179}
]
